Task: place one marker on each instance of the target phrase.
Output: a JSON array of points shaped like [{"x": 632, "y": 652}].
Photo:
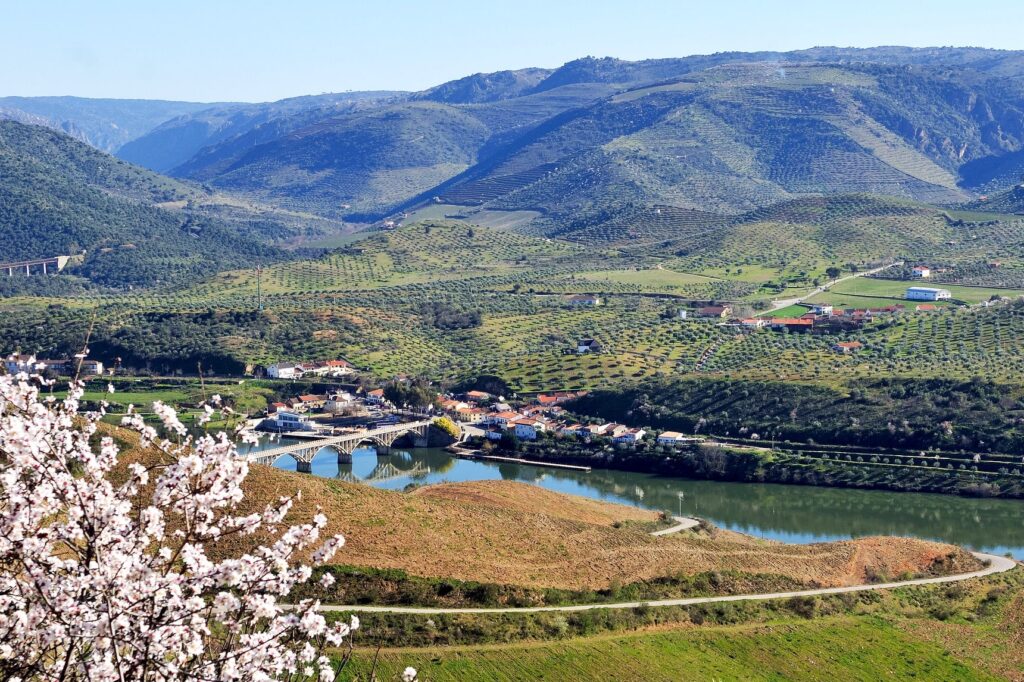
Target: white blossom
[{"x": 105, "y": 579}]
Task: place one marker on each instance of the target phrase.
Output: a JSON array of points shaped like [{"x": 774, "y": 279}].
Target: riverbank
[{"x": 744, "y": 463}]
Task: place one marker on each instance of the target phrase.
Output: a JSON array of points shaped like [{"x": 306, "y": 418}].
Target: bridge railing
[{"x": 335, "y": 440}]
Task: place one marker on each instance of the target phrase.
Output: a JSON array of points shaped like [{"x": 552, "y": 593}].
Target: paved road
[
  {"x": 997, "y": 564},
  {"x": 682, "y": 523},
  {"x": 786, "y": 302}
]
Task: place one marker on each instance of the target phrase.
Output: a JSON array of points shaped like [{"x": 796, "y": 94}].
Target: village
[{"x": 475, "y": 415}]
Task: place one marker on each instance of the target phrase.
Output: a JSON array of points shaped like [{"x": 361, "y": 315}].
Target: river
[{"x": 789, "y": 513}]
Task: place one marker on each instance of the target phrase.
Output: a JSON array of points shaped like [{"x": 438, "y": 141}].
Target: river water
[{"x": 789, "y": 513}]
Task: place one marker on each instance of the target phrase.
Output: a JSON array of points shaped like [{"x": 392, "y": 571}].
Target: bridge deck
[{"x": 347, "y": 438}]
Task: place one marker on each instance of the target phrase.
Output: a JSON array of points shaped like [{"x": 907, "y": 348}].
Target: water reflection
[{"x": 779, "y": 512}]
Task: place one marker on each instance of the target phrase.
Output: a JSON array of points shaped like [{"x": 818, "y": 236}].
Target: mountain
[
  {"x": 735, "y": 137},
  {"x": 725, "y": 133},
  {"x": 363, "y": 162},
  {"x": 177, "y": 140},
  {"x": 486, "y": 87},
  {"x": 59, "y": 196},
  {"x": 106, "y": 124}
]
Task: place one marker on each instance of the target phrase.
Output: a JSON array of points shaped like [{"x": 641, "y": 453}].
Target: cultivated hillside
[
  {"x": 59, "y": 196},
  {"x": 737, "y": 137}
]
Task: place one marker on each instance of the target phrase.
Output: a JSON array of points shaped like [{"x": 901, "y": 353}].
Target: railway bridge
[{"x": 344, "y": 444}]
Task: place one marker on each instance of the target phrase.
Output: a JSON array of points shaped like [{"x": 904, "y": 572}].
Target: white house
[
  {"x": 94, "y": 367},
  {"x": 375, "y": 397},
  {"x": 502, "y": 419},
  {"x": 336, "y": 402},
  {"x": 22, "y": 363},
  {"x": 588, "y": 346},
  {"x": 285, "y": 370},
  {"x": 928, "y": 294},
  {"x": 584, "y": 299},
  {"x": 631, "y": 436},
  {"x": 920, "y": 272},
  {"x": 822, "y": 309},
  {"x": 673, "y": 438},
  {"x": 527, "y": 429}
]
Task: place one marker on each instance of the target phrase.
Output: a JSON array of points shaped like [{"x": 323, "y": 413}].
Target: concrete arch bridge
[{"x": 345, "y": 444}]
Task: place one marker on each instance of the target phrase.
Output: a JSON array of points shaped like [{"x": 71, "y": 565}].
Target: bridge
[
  {"x": 46, "y": 265},
  {"x": 345, "y": 444}
]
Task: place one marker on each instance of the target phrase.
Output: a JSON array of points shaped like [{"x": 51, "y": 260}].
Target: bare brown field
[{"x": 514, "y": 533}]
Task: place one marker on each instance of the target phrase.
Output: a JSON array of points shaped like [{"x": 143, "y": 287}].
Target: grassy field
[
  {"x": 826, "y": 649},
  {"x": 884, "y": 288}
]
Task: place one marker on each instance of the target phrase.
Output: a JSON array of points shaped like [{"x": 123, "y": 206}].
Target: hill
[
  {"x": 106, "y": 124},
  {"x": 360, "y": 162},
  {"x": 741, "y": 136},
  {"x": 516, "y": 534},
  {"x": 59, "y": 196},
  {"x": 1007, "y": 201},
  {"x": 178, "y": 139},
  {"x": 725, "y": 133}
]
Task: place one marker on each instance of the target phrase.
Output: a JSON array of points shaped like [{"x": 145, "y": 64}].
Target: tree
[
  {"x": 832, "y": 272},
  {"x": 104, "y": 570},
  {"x": 448, "y": 426}
]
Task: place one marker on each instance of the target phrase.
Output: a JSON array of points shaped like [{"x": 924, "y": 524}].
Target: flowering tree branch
[{"x": 112, "y": 581}]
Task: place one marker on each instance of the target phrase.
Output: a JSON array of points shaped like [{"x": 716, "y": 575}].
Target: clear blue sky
[{"x": 256, "y": 50}]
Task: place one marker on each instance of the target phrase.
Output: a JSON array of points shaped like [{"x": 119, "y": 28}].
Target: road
[
  {"x": 779, "y": 304},
  {"x": 682, "y": 523},
  {"x": 997, "y": 564}
]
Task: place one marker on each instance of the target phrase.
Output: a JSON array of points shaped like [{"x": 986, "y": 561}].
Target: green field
[
  {"x": 828, "y": 649},
  {"x": 885, "y": 288}
]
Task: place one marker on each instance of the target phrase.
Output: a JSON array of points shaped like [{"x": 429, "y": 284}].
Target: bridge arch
[{"x": 381, "y": 438}]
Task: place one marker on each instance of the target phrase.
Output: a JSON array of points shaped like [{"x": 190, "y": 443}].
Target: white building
[
  {"x": 22, "y": 363},
  {"x": 375, "y": 397},
  {"x": 291, "y": 421},
  {"x": 342, "y": 400},
  {"x": 920, "y": 272},
  {"x": 285, "y": 370},
  {"x": 674, "y": 438},
  {"x": 527, "y": 429},
  {"x": 928, "y": 294},
  {"x": 631, "y": 436},
  {"x": 585, "y": 299},
  {"x": 822, "y": 309}
]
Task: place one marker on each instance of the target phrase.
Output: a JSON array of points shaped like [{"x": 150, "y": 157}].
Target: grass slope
[{"x": 830, "y": 649}]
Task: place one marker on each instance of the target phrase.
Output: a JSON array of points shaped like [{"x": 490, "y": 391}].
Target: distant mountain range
[{"x": 726, "y": 134}]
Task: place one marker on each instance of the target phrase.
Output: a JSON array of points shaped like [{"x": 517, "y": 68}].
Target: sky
[{"x": 256, "y": 50}]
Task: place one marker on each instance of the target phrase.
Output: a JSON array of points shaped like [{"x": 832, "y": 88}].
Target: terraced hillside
[
  {"x": 736, "y": 137},
  {"x": 59, "y": 196}
]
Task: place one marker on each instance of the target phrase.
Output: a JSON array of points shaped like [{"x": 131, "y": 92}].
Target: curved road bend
[{"x": 997, "y": 564}]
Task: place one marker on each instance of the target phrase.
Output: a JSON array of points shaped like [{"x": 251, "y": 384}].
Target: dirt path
[
  {"x": 682, "y": 523},
  {"x": 786, "y": 302},
  {"x": 997, "y": 564}
]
